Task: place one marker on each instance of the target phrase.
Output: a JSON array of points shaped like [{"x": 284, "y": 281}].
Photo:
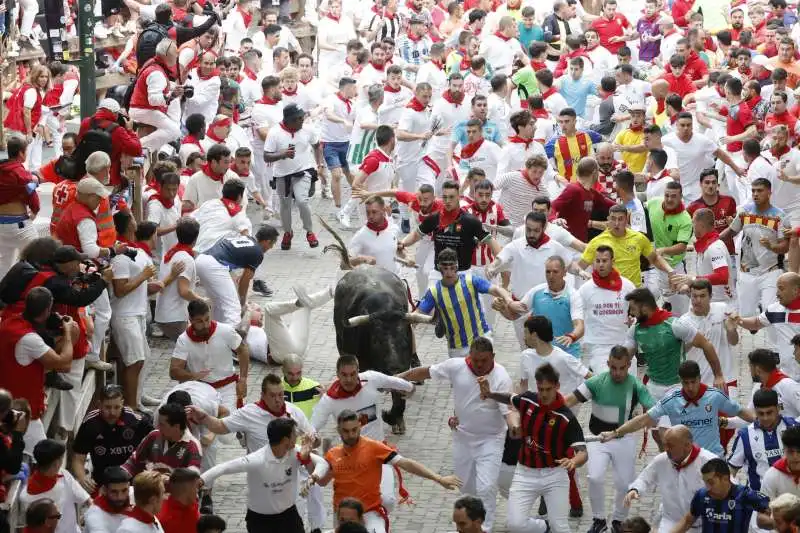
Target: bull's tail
[{"x": 340, "y": 247}]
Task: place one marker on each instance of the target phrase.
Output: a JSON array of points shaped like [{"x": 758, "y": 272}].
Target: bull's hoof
[
  {"x": 399, "y": 428},
  {"x": 389, "y": 418}
]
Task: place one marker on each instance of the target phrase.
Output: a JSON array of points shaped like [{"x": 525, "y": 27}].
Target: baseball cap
[
  {"x": 109, "y": 104},
  {"x": 67, "y": 253},
  {"x": 90, "y": 185}
]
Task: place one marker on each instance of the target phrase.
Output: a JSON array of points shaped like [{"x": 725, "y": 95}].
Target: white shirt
[
  {"x": 264, "y": 116},
  {"x": 369, "y": 75},
  {"x": 271, "y": 481},
  {"x": 712, "y": 326},
  {"x": 784, "y": 194},
  {"x": 381, "y": 245},
  {"x": 216, "y": 223},
  {"x": 252, "y": 420},
  {"x": 200, "y": 188},
  {"x": 555, "y": 103},
  {"x": 676, "y": 487},
  {"x": 778, "y": 316},
  {"x": 555, "y": 232},
  {"x": 165, "y": 217},
  {"x": 213, "y": 355},
  {"x": 515, "y": 154},
  {"x": 476, "y": 417},
  {"x": 570, "y": 369},
  {"x": 204, "y": 396},
  {"x": 774, "y": 483},
  {"x": 486, "y": 157},
  {"x": 96, "y": 520},
  {"x": 135, "y": 302},
  {"x": 205, "y": 100},
  {"x": 605, "y": 313},
  {"x": 411, "y": 121},
  {"x": 362, "y": 140},
  {"x": 170, "y": 307},
  {"x": 474, "y": 85},
  {"x": 66, "y": 493},
  {"x": 760, "y": 167},
  {"x": 87, "y": 233},
  {"x": 379, "y": 169},
  {"x": 394, "y": 105},
  {"x": 500, "y": 53},
  {"x": 499, "y": 113},
  {"x": 278, "y": 139},
  {"x": 526, "y": 263},
  {"x": 693, "y": 157},
  {"x": 603, "y": 61},
  {"x": 335, "y": 34},
  {"x": 445, "y": 115},
  {"x": 430, "y": 73},
  {"x": 657, "y": 186},
  {"x": 788, "y": 391},
  {"x": 366, "y": 403},
  {"x": 30, "y": 348},
  {"x": 714, "y": 257},
  {"x": 132, "y": 525}
]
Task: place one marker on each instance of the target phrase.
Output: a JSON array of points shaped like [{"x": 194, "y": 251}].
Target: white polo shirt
[
  {"x": 271, "y": 481},
  {"x": 379, "y": 169},
  {"x": 605, "y": 313},
  {"x": 170, "y": 307},
  {"x": 712, "y": 326},
  {"x": 253, "y": 419},
  {"x": 334, "y": 132},
  {"x": 476, "y": 417},
  {"x": 304, "y": 140},
  {"x": 526, "y": 263},
  {"x": 412, "y": 121},
  {"x": 214, "y": 355},
  {"x": 382, "y": 245},
  {"x": 570, "y": 369}
]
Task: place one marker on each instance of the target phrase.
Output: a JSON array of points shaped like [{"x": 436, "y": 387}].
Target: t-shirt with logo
[
  {"x": 662, "y": 347},
  {"x": 236, "y": 252},
  {"x": 756, "y": 258},
  {"x": 357, "y": 471},
  {"x": 669, "y": 229},
  {"x": 757, "y": 449},
  {"x": 613, "y": 403},
  {"x": 463, "y": 235},
  {"x": 731, "y": 514}
]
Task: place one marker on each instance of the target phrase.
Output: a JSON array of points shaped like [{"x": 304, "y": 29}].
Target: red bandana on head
[
  {"x": 178, "y": 248},
  {"x": 196, "y": 337},
  {"x": 612, "y": 282}
]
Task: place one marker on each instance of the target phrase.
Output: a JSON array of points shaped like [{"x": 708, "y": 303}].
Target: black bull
[{"x": 383, "y": 342}]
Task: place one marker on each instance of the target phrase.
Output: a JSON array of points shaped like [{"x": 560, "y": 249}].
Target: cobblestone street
[{"x": 428, "y": 438}]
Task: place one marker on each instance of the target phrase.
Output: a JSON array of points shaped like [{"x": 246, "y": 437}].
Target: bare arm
[
  {"x": 421, "y": 373},
  {"x": 244, "y": 284},
  {"x": 179, "y": 372},
  {"x": 659, "y": 262},
  {"x": 684, "y": 524},
  {"x": 710, "y": 354}
]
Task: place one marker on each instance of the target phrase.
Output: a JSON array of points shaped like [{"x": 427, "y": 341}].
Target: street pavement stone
[{"x": 428, "y": 438}]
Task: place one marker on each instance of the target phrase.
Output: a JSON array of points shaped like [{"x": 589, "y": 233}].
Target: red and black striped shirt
[{"x": 547, "y": 431}]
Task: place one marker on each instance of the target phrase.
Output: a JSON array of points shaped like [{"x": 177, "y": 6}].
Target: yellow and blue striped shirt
[{"x": 460, "y": 308}]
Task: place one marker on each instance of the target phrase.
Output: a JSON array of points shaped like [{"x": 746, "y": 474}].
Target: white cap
[
  {"x": 90, "y": 185},
  {"x": 110, "y": 104}
]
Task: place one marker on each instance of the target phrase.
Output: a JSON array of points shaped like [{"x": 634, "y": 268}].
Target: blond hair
[
  {"x": 38, "y": 70},
  {"x": 146, "y": 485}
]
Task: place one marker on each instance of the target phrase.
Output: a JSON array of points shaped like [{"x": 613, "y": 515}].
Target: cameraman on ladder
[{"x": 110, "y": 131}]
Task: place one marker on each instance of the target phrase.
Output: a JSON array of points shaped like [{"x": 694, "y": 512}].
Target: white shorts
[
  {"x": 658, "y": 392},
  {"x": 128, "y": 333}
]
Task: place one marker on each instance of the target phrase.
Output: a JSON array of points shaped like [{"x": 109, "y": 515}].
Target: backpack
[
  {"x": 96, "y": 139},
  {"x": 148, "y": 40}
]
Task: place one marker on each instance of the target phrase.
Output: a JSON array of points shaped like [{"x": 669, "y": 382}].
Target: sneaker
[
  {"x": 54, "y": 380},
  {"x": 326, "y": 191},
  {"x": 577, "y": 512},
  {"x": 616, "y": 526},
  {"x": 312, "y": 239},
  {"x": 149, "y": 401},
  {"x": 100, "y": 366},
  {"x": 156, "y": 331},
  {"x": 405, "y": 226},
  {"x": 344, "y": 220},
  {"x": 260, "y": 286},
  {"x": 286, "y": 243},
  {"x": 206, "y": 504},
  {"x": 599, "y": 525},
  {"x": 303, "y": 297}
]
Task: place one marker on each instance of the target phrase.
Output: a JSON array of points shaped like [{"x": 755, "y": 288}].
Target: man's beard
[
  {"x": 737, "y": 25},
  {"x": 606, "y": 167}
]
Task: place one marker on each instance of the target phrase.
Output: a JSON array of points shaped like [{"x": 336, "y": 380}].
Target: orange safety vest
[{"x": 106, "y": 232}]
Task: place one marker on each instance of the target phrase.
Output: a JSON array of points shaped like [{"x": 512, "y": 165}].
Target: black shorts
[{"x": 288, "y": 521}]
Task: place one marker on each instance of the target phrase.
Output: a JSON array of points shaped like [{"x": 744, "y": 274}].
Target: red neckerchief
[
  {"x": 468, "y": 150},
  {"x": 247, "y": 17},
  {"x": 247, "y": 71},
  {"x": 747, "y": 72},
  {"x": 213, "y": 136},
  {"x": 378, "y": 228},
  {"x": 267, "y": 101},
  {"x": 696, "y": 400},
  {"x": 137, "y": 513},
  {"x": 661, "y": 105},
  {"x": 378, "y": 68},
  {"x": 781, "y": 151},
  {"x": 413, "y": 38},
  {"x": 663, "y": 174},
  {"x": 658, "y": 317},
  {"x": 136, "y": 244},
  {"x": 239, "y": 173},
  {"x": 538, "y": 65},
  {"x": 416, "y": 105},
  {"x": 447, "y": 95},
  {"x": 306, "y": 82},
  {"x": 346, "y": 102},
  {"x": 231, "y": 205},
  {"x": 527, "y": 176},
  {"x": 612, "y": 282},
  {"x": 754, "y": 101},
  {"x": 468, "y": 360},
  {"x": 178, "y": 248},
  {"x": 38, "y": 483},
  {"x": 288, "y": 93},
  {"x": 390, "y": 89},
  {"x": 336, "y": 391},
  {"x": 287, "y": 129},
  {"x": 195, "y": 337},
  {"x": 166, "y": 203},
  {"x": 519, "y": 140},
  {"x": 652, "y": 18},
  {"x": 678, "y": 210},
  {"x": 782, "y": 466},
  {"x": 794, "y": 305},
  {"x": 690, "y": 459},
  {"x": 410, "y": 5},
  {"x": 673, "y": 119},
  {"x": 540, "y": 113},
  {"x": 774, "y": 377},
  {"x": 439, "y": 63},
  {"x": 548, "y": 93},
  {"x": 544, "y": 239},
  {"x": 636, "y": 129},
  {"x": 279, "y": 414},
  {"x": 335, "y": 19},
  {"x": 206, "y": 168},
  {"x": 214, "y": 73},
  {"x": 501, "y": 36},
  {"x": 102, "y": 502},
  {"x": 191, "y": 139},
  {"x": 554, "y": 405},
  {"x": 702, "y": 243},
  {"x": 448, "y": 217}
]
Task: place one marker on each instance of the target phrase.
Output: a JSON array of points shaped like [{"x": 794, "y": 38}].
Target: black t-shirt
[
  {"x": 110, "y": 445},
  {"x": 463, "y": 235},
  {"x": 240, "y": 251}
]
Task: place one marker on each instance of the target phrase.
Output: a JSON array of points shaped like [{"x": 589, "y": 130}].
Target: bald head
[
  {"x": 792, "y": 278},
  {"x": 679, "y": 432},
  {"x": 788, "y": 288},
  {"x": 604, "y": 149},
  {"x": 678, "y": 443},
  {"x": 660, "y": 88}
]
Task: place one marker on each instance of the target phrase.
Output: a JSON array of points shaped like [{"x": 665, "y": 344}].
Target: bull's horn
[
  {"x": 358, "y": 320},
  {"x": 419, "y": 318}
]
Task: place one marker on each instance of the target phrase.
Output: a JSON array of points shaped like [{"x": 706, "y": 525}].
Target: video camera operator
[
  {"x": 13, "y": 425},
  {"x": 124, "y": 143}
]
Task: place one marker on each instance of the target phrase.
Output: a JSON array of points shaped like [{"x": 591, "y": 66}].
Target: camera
[
  {"x": 11, "y": 417},
  {"x": 55, "y": 323},
  {"x": 188, "y": 92}
]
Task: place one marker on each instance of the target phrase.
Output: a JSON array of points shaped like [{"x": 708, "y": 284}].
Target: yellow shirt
[
  {"x": 627, "y": 251},
  {"x": 627, "y": 137}
]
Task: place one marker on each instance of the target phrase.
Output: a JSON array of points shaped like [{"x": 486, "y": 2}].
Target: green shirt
[
  {"x": 525, "y": 80},
  {"x": 662, "y": 347},
  {"x": 612, "y": 403},
  {"x": 304, "y": 396},
  {"x": 669, "y": 230}
]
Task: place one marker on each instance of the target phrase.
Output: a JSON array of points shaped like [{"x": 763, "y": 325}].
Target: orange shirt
[{"x": 357, "y": 471}]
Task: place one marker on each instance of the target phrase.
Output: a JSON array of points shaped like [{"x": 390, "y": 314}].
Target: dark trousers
[{"x": 288, "y": 521}]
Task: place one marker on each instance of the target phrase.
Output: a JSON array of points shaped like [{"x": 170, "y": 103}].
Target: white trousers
[
  {"x": 476, "y": 461},
  {"x": 166, "y": 128},
  {"x": 30, "y": 8},
  {"x": 529, "y": 485},
  {"x": 68, "y": 401},
  {"x": 219, "y": 286},
  {"x": 752, "y": 290},
  {"x": 102, "y": 318},
  {"x": 424, "y": 259},
  {"x": 658, "y": 283},
  {"x": 14, "y": 237},
  {"x": 374, "y": 522},
  {"x": 228, "y": 396},
  {"x": 289, "y": 334},
  {"x": 619, "y": 453},
  {"x": 33, "y": 435},
  {"x": 407, "y": 181},
  {"x": 486, "y": 299},
  {"x": 312, "y": 507}
]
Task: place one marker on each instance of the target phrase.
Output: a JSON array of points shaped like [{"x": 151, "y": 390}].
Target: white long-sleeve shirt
[
  {"x": 366, "y": 402},
  {"x": 87, "y": 233},
  {"x": 156, "y": 83},
  {"x": 96, "y": 520},
  {"x": 205, "y": 100},
  {"x": 676, "y": 487},
  {"x": 271, "y": 481}
]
